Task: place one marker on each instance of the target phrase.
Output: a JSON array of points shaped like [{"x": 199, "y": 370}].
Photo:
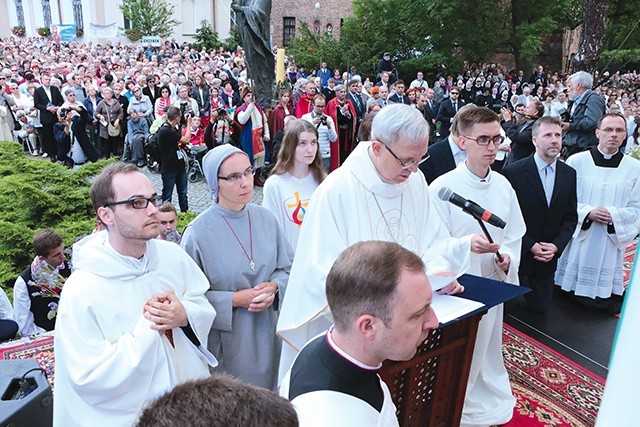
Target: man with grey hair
[
  {"x": 375, "y": 195},
  {"x": 586, "y": 109}
]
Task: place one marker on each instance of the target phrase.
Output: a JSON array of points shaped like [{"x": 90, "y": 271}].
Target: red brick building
[{"x": 320, "y": 15}]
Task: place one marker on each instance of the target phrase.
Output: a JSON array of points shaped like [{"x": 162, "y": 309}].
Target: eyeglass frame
[
  {"x": 235, "y": 177},
  {"x": 491, "y": 139},
  {"x": 132, "y": 202},
  {"x": 406, "y": 165}
]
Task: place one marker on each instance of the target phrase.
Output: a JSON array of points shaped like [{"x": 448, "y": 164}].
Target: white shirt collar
[
  {"x": 541, "y": 164},
  {"x": 459, "y": 155},
  {"x": 343, "y": 354}
]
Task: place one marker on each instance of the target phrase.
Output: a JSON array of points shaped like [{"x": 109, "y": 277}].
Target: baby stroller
[{"x": 194, "y": 170}]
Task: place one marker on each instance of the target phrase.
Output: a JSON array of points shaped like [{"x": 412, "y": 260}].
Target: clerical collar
[
  {"x": 346, "y": 356},
  {"x": 606, "y": 160}
]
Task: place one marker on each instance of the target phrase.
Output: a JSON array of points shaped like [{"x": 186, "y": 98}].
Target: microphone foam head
[{"x": 445, "y": 193}]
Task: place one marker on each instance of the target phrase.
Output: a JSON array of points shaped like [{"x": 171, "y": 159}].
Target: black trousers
[
  {"x": 47, "y": 140},
  {"x": 541, "y": 285}
]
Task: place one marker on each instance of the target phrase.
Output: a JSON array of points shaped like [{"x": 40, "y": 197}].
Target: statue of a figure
[{"x": 252, "y": 21}]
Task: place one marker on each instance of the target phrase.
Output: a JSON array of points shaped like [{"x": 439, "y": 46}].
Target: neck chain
[
  {"x": 395, "y": 227},
  {"x": 252, "y": 265}
]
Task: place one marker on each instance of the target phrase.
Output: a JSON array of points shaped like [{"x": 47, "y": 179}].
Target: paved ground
[{"x": 198, "y": 192}]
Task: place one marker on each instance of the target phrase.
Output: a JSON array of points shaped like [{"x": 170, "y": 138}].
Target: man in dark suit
[
  {"x": 521, "y": 133},
  {"x": 539, "y": 75},
  {"x": 399, "y": 97},
  {"x": 431, "y": 110},
  {"x": 447, "y": 110},
  {"x": 445, "y": 155},
  {"x": 546, "y": 190},
  {"x": 358, "y": 102},
  {"x": 47, "y": 99},
  {"x": 151, "y": 90}
]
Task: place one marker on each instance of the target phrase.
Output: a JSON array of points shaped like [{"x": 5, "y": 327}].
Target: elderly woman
[
  {"x": 110, "y": 115},
  {"x": 242, "y": 250},
  {"x": 91, "y": 103}
]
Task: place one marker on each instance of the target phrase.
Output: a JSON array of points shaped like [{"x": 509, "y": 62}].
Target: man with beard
[
  {"x": 586, "y": 109},
  {"x": 109, "y": 367}
]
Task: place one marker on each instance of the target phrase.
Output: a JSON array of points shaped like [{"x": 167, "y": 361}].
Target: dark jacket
[
  {"x": 440, "y": 161},
  {"x": 555, "y": 223},
  {"x": 41, "y": 101}
]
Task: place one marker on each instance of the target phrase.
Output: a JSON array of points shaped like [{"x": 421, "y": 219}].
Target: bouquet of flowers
[
  {"x": 49, "y": 283},
  {"x": 18, "y": 31}
]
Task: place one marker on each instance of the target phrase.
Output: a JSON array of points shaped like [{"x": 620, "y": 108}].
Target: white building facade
[{"x": 103, "y": 20}]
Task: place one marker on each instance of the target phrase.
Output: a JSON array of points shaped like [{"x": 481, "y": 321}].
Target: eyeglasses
[
  {"x": 408, "y": 164},
  {"x": 319, "y": 106},
  {"x": 236, "y": 177},
  {"x": 455, "y": 93},
  {"x": 137, "y": 202},
  {"x": 485, "y": 140}
]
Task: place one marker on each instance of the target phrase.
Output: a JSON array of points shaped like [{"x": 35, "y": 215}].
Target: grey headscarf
[{"x": 211, "y": 164}]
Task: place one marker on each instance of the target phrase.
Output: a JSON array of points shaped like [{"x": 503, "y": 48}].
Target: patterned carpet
[
  {"x": 550, "y": 390},
  {"x": 629, "y": 257},
  {"x": 40, "y": 349}
]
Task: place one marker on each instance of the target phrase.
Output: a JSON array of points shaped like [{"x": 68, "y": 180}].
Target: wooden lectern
[{"x": 429, "y": 389}]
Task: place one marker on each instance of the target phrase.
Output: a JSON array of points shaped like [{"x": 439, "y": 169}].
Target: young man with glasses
[
  {"x": 375, "y": 195},
  {"x": 134, "y": 319},
  {"x": 488, "y": 399},
  {"x": 608, "y": 188}
]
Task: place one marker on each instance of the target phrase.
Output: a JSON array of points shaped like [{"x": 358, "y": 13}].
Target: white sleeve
[
  {"x": 6, "y": 311},
  {"x": 331, "y": 132},
  {"x": 245, "y": 115},
  {"x": 22, "y": 309}
]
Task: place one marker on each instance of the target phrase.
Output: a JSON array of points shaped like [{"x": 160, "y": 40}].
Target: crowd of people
[{"x": 345, "y": 159}]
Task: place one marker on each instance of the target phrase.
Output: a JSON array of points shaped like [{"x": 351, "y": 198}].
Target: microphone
[{"x": 470, "y": 207}]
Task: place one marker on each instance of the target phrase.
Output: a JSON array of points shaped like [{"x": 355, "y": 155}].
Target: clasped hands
[
  {"x": 166, "y": 312},
  {"x": 256, "y": 299},
  {"x": 601, "y": 215}
]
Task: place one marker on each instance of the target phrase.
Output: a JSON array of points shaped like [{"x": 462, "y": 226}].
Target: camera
[
  {"x": 497, "y": 108},
  {"x": 221, "y": 112},
  {"x": 323, "y": 120},
  {"x": 62, "y": 113}
]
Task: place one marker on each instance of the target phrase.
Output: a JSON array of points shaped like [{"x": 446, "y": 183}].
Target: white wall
[{"x": 105, "y": 12}]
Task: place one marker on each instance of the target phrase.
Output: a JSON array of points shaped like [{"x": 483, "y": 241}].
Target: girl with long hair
[{"x": 296, "y": 175}]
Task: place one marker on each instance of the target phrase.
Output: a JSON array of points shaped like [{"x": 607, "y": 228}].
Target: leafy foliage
[
  {"x": 133, "y": 34},
  {"x": 35, "y": 195},
  {"x": 231, "y": 43},
  {"x": 205, "y": 37},
  {"x": 438, "y": 35},
  {"x": 150, "y": 17}
]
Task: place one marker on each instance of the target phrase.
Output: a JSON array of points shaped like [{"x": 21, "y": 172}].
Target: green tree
[
  {"x": 622, "y": 37},
  {"x": 231, "y": 43},
  {"x": 151, "y": 17},
  {"x": 439, "y": 35},
  {"x": 205, "y": 37}
]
